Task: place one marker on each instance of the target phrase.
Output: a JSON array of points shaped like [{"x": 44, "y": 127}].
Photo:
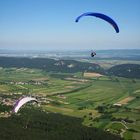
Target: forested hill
[
  {"x": 125, "y": 70},
  {"x": 68, "y": 66},
  {"x": 35, "y": 124}
]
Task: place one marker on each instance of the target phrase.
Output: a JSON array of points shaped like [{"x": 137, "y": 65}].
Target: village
[{"x": 10, "y": 100}]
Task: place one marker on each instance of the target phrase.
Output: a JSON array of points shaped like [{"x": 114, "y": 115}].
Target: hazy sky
[{"x": 50, "y": 24}]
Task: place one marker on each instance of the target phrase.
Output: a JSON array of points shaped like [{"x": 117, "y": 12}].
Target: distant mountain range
[{"x": 70, "y": 66}]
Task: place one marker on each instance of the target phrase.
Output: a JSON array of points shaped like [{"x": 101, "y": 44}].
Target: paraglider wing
[
  {"x": 23, "y": 101},
  {"x": 102, "y": 16}
]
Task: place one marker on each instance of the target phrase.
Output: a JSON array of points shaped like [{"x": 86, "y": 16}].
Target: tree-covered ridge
[
  {"x": 33, "y": 123},
  {"x": 125, "y": 70},
  {"x": 70, "y": 66}
]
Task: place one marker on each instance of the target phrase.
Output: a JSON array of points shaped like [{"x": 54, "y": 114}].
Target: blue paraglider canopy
[{"x": 102, "y": 16}]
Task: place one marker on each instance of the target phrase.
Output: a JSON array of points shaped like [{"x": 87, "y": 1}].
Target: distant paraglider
[
  {"x": 101, "y": 16},
  {"x": 93, "y": 54},
  {"x": 21, "y": 102}
]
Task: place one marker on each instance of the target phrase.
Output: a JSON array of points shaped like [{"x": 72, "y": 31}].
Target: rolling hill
[
  {"x": 70, "y": 66},
  {"x": 66, "y": 66},
  {"x": 125, "y": 70}
]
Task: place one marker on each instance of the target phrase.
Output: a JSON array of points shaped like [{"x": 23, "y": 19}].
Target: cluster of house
[
  {"x": 7, "y": 101},
  {"x": 12, "y": 99},
  {"x": 61, "y": 96},
  {"x": 23, "y": 83},
  {"x": 26, "y": 83},
  {"x": 117, "y": 104},
  {"x": 41, "y": 99}
]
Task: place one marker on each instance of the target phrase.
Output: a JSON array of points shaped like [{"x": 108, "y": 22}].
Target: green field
[{"x": 91, "y": 99}]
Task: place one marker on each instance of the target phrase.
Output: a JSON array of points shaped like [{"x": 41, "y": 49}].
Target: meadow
[{"x": 93, "y": 99}]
